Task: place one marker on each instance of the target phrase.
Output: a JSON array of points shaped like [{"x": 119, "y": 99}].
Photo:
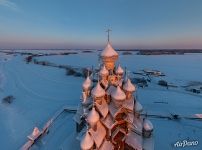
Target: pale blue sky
[{"x": 82, "y": 23}]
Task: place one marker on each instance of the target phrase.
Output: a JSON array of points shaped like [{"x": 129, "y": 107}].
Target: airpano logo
[{"x": 186, "y": 143}]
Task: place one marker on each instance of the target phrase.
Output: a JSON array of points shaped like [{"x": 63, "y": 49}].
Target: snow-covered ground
[{"x": 40, "y": 91}]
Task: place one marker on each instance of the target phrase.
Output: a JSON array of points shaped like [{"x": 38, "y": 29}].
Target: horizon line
[{"x": 118, "y": 49}]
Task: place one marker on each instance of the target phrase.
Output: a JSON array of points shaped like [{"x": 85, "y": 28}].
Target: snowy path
[{"x": 37, "y": 98}]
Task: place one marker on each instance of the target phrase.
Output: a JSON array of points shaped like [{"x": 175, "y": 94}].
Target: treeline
[
  {"x": 29, "y": 58},
  {"x": 168, "y": 52}
]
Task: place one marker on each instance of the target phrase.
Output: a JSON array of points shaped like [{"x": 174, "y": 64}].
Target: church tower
[{"x": 109, "y": 55}]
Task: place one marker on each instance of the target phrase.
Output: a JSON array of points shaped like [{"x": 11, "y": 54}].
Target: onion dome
[
  {"x": 87, "y": 142},
  {"x": 109, "y": 51},
  {"x": 147, "y": 125},
  {"x": 98, "y": 91},
  {"x": 104, "y": 71},
  {"x": 118, "y": 94},
  {"x": 119, "y": 70},
  {"x": 138, "y": 107},
  {"x": 87, "y": 83},
  {"x": 128, "y": 86},
  {"x": 93, "y": 117}
]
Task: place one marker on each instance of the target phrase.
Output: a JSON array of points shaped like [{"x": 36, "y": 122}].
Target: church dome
[
  {"x": 87, "y": 141},
  {"x": 98, "y": 91},
  {"x": 128, "y": 86},
  {"x": 109, "y": 51},
  {"x": 118, "y": 94},
  {"x": 104, "y": 71},
  {"x": 93, "y": 117},
  {"x": 87, "y": 83},
  {"x": 119, "y": 70}
]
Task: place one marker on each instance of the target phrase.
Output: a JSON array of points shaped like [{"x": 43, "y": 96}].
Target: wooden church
[{"x": 108, "y": 117}]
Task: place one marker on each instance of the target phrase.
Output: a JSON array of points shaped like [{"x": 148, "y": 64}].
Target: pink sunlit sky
[{"x": 82, "y": 23}]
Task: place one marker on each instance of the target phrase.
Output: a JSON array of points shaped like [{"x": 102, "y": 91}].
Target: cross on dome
[{"x": 108, "y": 30}]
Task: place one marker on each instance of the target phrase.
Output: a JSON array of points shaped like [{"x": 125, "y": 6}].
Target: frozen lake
[{"x": 40, "y": 91}]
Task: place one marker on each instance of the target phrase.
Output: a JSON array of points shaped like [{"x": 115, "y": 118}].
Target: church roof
[
  {"x": 87, "y": 141},
  {"x": 134, "y": 140},
  {"x": 128, "y": 86},
  {"x": 109, "y": 51},
  {"x": 103, "y": 108},
  {"x": 114, "y": 111},
  {"x": 118, "y": 94},
  {"x": 107, "y": 145},
  {"x": 137, "y": 125},
  {"x": 130, "y": 117},
  {"x": 105, "y": 83},
  {"x": 129, "y": 104},
  {"x": 119, "y": 70},
  {"x": 120, "y": 82},
  {"x": 104, "y": 71},
  {"x": 108, "y": 121},
  {"x": 110, "y": 89},
  {"x": 87, "y": 83},
  {"x": 98, "y": 135},
  {"x": 93, "y": 116},
  {"x": 98, "y": 91}
]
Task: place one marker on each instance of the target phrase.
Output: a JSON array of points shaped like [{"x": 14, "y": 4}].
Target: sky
[{"x": 135, "y": 24}]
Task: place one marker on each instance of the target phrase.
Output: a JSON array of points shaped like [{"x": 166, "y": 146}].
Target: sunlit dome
[
  {"x": 93, "y": 117},
  {"x": 87, "y": 83},
  {"x": 118, "y": 94},
  {"x": 128, "y": 86},
  {"x": 147, "y": 125},
  {"x": 98, "y": 91},
  {"x": 119, "y": 70},
  {"x": 104, "y": 71},
  {"x": 109, "y": 51},
  {"x": 87, "y": 142}
]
